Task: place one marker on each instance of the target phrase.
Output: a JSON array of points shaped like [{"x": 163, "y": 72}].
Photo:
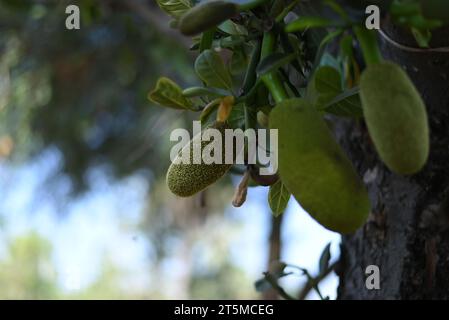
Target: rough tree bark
[{"x": 407, "y": 234}]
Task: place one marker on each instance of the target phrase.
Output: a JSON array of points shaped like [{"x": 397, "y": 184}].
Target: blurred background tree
[{"x": 74, "y": 111}]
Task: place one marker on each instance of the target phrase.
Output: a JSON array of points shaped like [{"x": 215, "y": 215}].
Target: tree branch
[{"x": 315, "y": 281}]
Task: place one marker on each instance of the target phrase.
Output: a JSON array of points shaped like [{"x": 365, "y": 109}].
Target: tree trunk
[{"x": 406, "y": 235}]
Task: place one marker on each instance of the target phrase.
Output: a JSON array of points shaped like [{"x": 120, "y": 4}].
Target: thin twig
[
  {"x": 313, "y": 283},
  {"x": 273, "y": 282}
]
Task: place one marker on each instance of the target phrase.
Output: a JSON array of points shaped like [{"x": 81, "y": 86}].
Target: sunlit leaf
[
  {"x": 169, "y": 94},
  {"x": 278, "y": 198}
]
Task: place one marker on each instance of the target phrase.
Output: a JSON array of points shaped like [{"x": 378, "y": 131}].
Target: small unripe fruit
[
  {"x": 206, "y": 15},
  {"x": 185, "y": 180},
  {"x": 396, "y": 117},
  {"x": 315, "y": 169}
]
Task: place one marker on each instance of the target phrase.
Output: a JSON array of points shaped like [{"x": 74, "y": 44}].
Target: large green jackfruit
[
  {"x": 185, "y": 180},
  {"x": 315, "y": 169},
  {"x": 206, "y": 15},
  {"x": 396, "y": 117}
]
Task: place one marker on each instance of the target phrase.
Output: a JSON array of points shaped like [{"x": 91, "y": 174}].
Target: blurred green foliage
[{"x": 84, "y": 91}]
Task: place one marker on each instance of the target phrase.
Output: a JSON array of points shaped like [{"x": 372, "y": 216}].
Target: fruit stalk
[
  {"x": 272, "y": 80},
  {"x": 368, "y": 42}
]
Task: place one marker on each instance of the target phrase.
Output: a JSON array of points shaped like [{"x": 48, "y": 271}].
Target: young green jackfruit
[
  {"x": 396, "y": 117},
  {"x": 206, "y": 15},
  {"x": 185, "y": 180},
  {"x": 315, "y": 170}
]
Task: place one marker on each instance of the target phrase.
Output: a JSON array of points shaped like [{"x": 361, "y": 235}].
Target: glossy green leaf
[
  {"x": 212, "y": 71},
  {"x": 278, "y": 198},
  {"x": 168, "y": 94}
]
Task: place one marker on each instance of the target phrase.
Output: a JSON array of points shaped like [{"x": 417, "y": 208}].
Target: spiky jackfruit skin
[
  {"x": 205, "y": 16},
  {"x": 396, "y": 117},
  {"x": 185, "y": 180},
  {"x": 315, "y": 170}
]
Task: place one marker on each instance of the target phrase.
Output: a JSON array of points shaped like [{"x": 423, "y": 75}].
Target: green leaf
[
  {"x": 326, "y": 92},
  {"x": 346, "y": 104},
  {"x": 278, "y": 198},
  {"x": 274, "y": 62},
  {"x": 324, "y": 86},
  {"x": 321, "y": 50},
  {"x": 239, "y": 61},
  {"x": 211, "y": 108},
  {"x": 237, "y": 117},
  {"x": 328, "y": 80},
  {"x": 168, "y": 94},
  {"x": 204, "y": 92},
  {"x": 174, "y": 8},
  {"x": 232, "y": 28},
  {"x": 325, "y": 258},
  {"x": 304, "y": 23},
  {"x": 210, "y": 68},
  {"x": 346, "y": 47}
]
